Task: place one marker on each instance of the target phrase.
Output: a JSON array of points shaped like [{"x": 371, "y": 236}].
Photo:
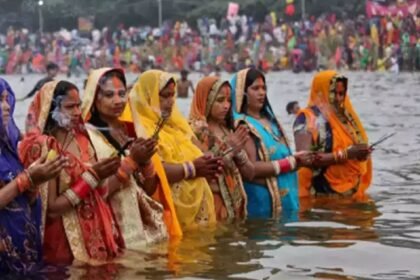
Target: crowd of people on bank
[
  {"x": 121, "y": 168},
  {"x": 382, "y": 43}
]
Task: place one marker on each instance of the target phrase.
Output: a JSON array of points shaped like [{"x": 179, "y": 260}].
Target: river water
[{"x": 379, "y": 239}]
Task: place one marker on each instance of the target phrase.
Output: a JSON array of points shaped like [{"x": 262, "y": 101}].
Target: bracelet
[
  {"x": 90, "y": 179},
  {"x": 189, "y": 170},
  {"x": 276, "y": 167},
  {"x": 148, "y": 171},
  {"x": 285, "y": 165},
  {"x": 81, "y": 189},
  {"x": 194, "y": 171},
  {"x": 185, "y": 167},
  {"x": 31, "y": 182},
  {"x": 72, "y": 197},
  {"x": 22, "y": 182},
  {"x": 122, "y": 176},
  {"x": 292, "y": 161},
  {"x": 130, "y": 162},
  {"x": 241, "y": 158},
  {"x": 335, "y": 157}
]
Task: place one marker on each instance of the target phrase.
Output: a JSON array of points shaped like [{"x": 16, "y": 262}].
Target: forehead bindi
[
  {"x": 113, "y": 83},
  {"x": 224, "y": 91},
  {"x": 72, "y": 97}
]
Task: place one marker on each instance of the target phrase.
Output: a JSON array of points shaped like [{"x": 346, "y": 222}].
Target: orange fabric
[
  {"x": 342, "y": 177},
  {"x": 199, "y": 102}
]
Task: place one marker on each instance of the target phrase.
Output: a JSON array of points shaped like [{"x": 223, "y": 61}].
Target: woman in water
[
  {"x": 20, "y": 204},
  {"x": 77, "y": 222},
  {"x": 212, "y": 122},
  {"x": 330, "y": 127},
  {"x": 154, "y": 112},
  {"x": 139, "y": 217},
  {"x": 275, "y": 186}
]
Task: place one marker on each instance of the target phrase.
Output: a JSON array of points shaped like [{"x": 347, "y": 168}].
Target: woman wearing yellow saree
[
  {"x": 330, "y": 127},
  {"x": 140, "y": 218},
  {"x": 152, "y": 99}
]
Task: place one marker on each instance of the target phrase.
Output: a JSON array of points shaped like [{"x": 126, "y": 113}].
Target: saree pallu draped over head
[
  {"x": 89, "y": 228},
  {"x": 353, "y": 173},
  {"x": 193, "y": 198},
  {"x": 229, "y": 194},
  {"x": 140, "y": 218},
  {"x": 279, "y": 194},
  {"x": 20, "y": 220}
]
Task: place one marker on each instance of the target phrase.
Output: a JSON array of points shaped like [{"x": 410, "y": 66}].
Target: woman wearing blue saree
[
  {"x": 20, "y": 206},
  {"x": 275, "y": 188}
]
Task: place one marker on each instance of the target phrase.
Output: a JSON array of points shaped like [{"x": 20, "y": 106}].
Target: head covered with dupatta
[
  {"x": 345, "y": 176},
  {"x": 10, "y": 165},
  {"x": 163, "y": 194}
]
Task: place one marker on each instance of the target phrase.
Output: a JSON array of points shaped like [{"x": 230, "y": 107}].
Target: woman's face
[
  {"x": 256, "y": 94},
  {"x": 111, "y": 99},
  {"x": 70, "y": 108},
  {"x": 5, "y": 108},
  {"x": 221, "y": 105},
  {"x": 167, "y": 98},
  {"x": 340, "y": 92}
]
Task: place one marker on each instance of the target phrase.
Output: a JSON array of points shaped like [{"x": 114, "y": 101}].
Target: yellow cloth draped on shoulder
[
  {"x": 140, "y": 218},
  {"x": 193, "y": 198}
]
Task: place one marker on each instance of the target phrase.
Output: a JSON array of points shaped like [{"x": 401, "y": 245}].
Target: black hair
[
  {"x": 52, "y": 66},
  {"x": 290, "y": 106},
  {"x": 229, "y": 117},
  {"x": 252, "y": 75},
  {"x": 60, "y": 91},
  {"x": 95, "y": 118}
]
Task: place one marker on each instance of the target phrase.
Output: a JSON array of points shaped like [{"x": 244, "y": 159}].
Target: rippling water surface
[{"x": 333, "y": 239}]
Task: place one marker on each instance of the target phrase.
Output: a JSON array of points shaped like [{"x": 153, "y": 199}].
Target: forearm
[
  {"x": 247, "y": 171},
  {"x": 264, "y": 169},
  {"x": 174, "y": 172},
  {"x": 8, "y": 193},
  {"x": 323, "y": 160}
]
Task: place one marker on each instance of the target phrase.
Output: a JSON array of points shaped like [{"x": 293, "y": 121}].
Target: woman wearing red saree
[{"x": 76, "y": 221}]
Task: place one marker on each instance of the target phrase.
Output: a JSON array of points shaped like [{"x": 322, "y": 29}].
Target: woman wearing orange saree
[
  {"x": 77, "y": 224},
  {"x": 212, "y": 122},
  {"x": 330, "y": 127},
  {"x": 140, "y": 218}
]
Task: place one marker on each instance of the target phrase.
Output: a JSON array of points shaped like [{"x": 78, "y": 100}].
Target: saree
[
  {"x": 20, "y": 220},
  {"x": 228, "y": 192},
  {"x": 140, "y": 218},
  {"x": 279, "y": 194},
  {"x": 352, "y": 176},
  {"x": 193, "y": 198},
  {"x": 87, "y": 232}
]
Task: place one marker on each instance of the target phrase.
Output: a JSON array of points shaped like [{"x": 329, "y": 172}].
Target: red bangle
[
  {"x": 81, "y": 189},
  {"x": 122, "y": 175},
  {"x": 22, "y": 182},
  {"x": 130, "y": 162},
  {"x": 285, "y": 166}
]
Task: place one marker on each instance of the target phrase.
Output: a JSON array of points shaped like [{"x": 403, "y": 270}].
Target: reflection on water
[{"x": 377, "y": 239}]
